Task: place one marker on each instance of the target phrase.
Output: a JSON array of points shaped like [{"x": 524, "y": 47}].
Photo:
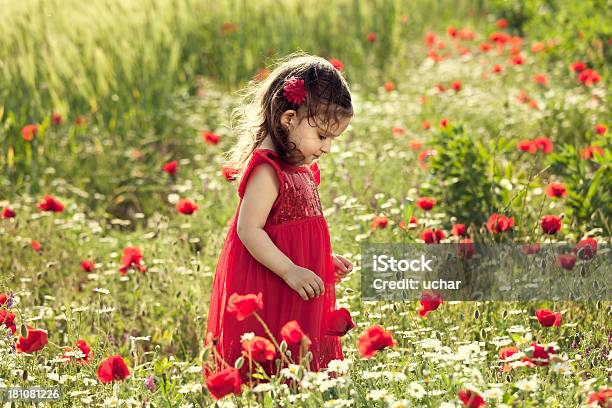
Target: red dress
[{"x": 298, "y": 228}]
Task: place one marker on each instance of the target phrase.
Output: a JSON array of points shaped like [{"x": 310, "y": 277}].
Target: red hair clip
[{"x": 295, "y": 91}]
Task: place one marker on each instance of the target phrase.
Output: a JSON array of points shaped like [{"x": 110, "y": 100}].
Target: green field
[{"x": 136, "y": 83}]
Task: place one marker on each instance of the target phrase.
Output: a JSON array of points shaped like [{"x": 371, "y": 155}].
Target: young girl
[{"x": 278, "y": 243}]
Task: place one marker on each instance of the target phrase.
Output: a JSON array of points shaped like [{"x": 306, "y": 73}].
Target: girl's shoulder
[{"x": 261, "y": 156}]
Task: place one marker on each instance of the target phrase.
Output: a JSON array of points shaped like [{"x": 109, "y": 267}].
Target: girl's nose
[{"x": 326, "y": 145}]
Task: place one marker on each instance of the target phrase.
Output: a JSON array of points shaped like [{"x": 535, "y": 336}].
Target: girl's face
[{"x": 314, "y": 140}]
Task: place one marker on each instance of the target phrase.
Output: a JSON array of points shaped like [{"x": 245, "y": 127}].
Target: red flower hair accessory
[{"x": 295, "y": 91}]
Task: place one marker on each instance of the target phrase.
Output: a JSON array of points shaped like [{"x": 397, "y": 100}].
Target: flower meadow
[{"x": 115, "y": 199}]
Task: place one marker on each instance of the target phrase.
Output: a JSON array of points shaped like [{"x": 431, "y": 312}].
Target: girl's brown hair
[{"x": 328, "y": 97}]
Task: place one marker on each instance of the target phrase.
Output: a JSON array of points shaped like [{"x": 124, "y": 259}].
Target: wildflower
[
  {"x": 56, "y": 118},
  {"x": 50, "y": 203},
  {"x": 371, "y": 37},
  {"x": 292, "y": 333},
  {"x": 185, "y": 206},
  {"x": 389, "y": 86},
  {"x": 242, "y": 306},
  {"x": 556, "y": 190},
  {"x": 35, "y": 245},
  {"x": 426, "y": 203},
  {"x": 601, "y": 129},
  {"x": 82, "y": 349},
  {"x": 112, "y": 369},
  {"x": 259, "y": 349},
  {"x": 566, "y": 261},
  {"x": 458, "y": 230},
  {"x": 88, "y": 265},
  {"x": 432, "y": 236},
  {"x": 37, "y": 339},
  {"x": 429, "y": 301},
  {"x": 338, "y": 322},
  {"x": 501, "y": 23},
  {"x": 551, "y": 224},
  {"x": 590, "y": 151},
  {"x": 548, "y": 318},
  {"x": 471, "y": 399},
  {"x": 586, "y": 248},
  {"x": 499, "y": 223},
  {"x": 578, "y": 66},
  {"x": 7, "y": 319},
  {"x": 224, "y": 382},
  {"x": 373, "y": 339},
  {"x": 8, "y": 213},
  {"x": 456, "y": 85},
  {"x": 229, "y": 172},
  {"x": 131, "y": 258},
  {"x": 337, "y": 64},
  {"x": 210, "y": 138},
  {"x": 29, "y": 132},
  {"x": 170, "y": 167},
  {"x": 379, "y": 222}
]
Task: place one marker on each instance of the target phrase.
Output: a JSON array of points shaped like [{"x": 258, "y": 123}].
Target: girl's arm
[{"x": 259, "y": 196}]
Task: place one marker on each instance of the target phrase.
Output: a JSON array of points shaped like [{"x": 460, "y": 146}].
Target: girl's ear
[{"x": 287, "y": 118}]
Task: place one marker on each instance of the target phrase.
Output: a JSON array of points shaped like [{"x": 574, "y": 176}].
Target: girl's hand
[
  {"x": 305, "y": 282},
  {"x": 342, "y": 267}
]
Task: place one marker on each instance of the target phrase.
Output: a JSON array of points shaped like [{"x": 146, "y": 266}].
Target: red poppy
[
  {"x": 466, "y": 249},
  {"x": 578, "y": 66},
  {"x": 517, "y": 60},
  {"x": 415, "y": 144},
  {"x": 485, "y": 47},
  {"x": 440, "y": 87},
  {"x": 530, "y": 249},
  {"x": 113, "y": 369},
  {"x": 589, "y": 152},
  {"x": 337, "y": 64},
  {"x": 548, "y": 318},
  {"x": 426, "y": 203},
  {"x": 551, "y": 224},
  {"x": 426, "y": 153},
  {"x": 131, "y": 258},
  {"x": 8, "y": 213},
  {"x": 229, "y": 173},
  {"x": 589, "y": 77},
  {"x": 338, "y": 322},
  {"x": 82, "y": 346},
  {"x": 292, "y": 333},
  {"x": 397, "y": 130},
  {"x": 35, "y": 245},
  {"x": 242, "y": 306},
  {"x": 501, "y": 23},
  {"x": 458, "y": 230},
  {"x": 456, "y": 85},
  {"x": 602, "y": 397},
  {"x": 432, "y": 236},
  {"x": 505, "y": 353},
  {"x": 210, "y": 138},
  {"x": 443, "y": 122},
  {"x": 170, "y": 167},
  {"x": 538, "y": 354},
  {"x": 426, "y": 125},
  {"x": 3, "y": 299},
  {"x": 49, "y": 203},
  {"x": 471, "y": 399},
  {"x": 601, "y": 129},
  {"x": 389, "y": 86},
  {"x": 429, "y": 301},
  {"x": 371, "y": 37},
  {"x": 224, "y": 382},
  {"x": 544, "y": 143},
  {"x": 498, "y": 69},
  {"x": 29, "y": 132},
  {"x": 451, "y": 32},
  {"x": 295, "y": 91},
  {"x": 80, "y": 120},
  {"x": 373, "y": 339},
  {"x": 430, "y": 39},
  {"x": 499, "y": 37},
  {"x": 37, "y": 339},
  {"x": 537, "y": 47},
  {"x": 586, "y": 248},
  {"x": 258, "y": 349},
  {"x": 523, "y": 96},
  {"x": 540, "y": 79},
  {"x": 185, "y": 206},
  {"x": 556, "y": 190},
  {"x": 379, "y": 222},
  {"x": 566, "y": 261},
  {"x": 7, "y": 319},
  {"x": 499, "y": 223},
  {"x": 88, "y": 265}
]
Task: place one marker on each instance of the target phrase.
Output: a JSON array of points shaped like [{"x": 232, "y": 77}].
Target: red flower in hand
[
  {"x": 373, "y": 339},
  {"x": 429, "y": 301},
  {"x": 338, "y": 322},
  {"x": 36, "y": 340},
  {"x": 132, "y": 258},
  {"x": 49, "y": 203},
  {"x": 242, "y": 306},
  {"x": 295, "y": 91},
  {"x": 224, "y": 382},
  {"x": 113, "y": 369}
]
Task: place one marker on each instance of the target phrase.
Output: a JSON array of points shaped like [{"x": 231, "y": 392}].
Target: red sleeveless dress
[{"x": 298, "y": 228}]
